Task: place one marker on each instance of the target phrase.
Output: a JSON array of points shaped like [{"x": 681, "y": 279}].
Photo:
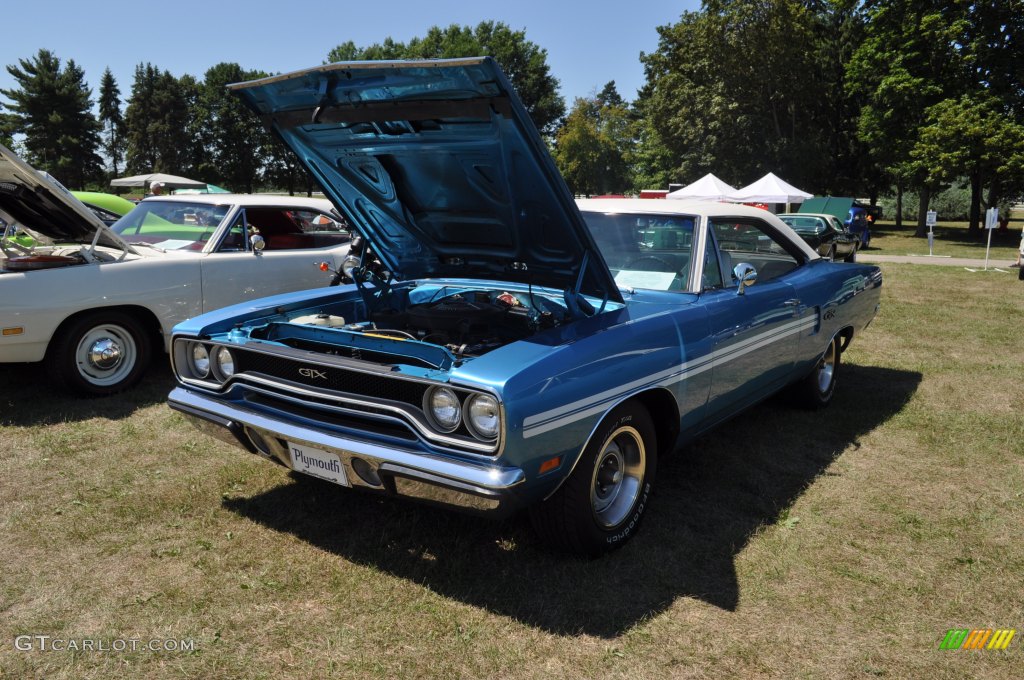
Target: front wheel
[
  {"x": 99, "y": 354},
  {"x": 852, "y": 257},
  {"x": 600, "y": 505}
]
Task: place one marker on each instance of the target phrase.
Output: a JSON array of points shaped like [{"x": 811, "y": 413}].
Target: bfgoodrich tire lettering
[
  {"x": 601, "y": 504},
  {"x": 99, "y": 353}
]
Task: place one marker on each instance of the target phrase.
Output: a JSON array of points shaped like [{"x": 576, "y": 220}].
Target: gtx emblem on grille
[{"x": 312, "y": 373}]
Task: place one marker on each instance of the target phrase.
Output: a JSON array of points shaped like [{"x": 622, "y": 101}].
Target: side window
[
  {"x": 235, "y": 240},
  {"x": 311, "y": 221},
  {"x": 743, "y": 239}
]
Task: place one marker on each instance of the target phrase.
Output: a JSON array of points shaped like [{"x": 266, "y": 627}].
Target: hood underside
[
  {"x": 439, "y": 166},
  {"x": 46, "y": 208}
]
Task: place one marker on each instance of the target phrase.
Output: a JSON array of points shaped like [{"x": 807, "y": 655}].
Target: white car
[{"x": 95, "y": 302}]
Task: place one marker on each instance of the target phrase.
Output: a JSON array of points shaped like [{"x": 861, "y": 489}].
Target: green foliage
[
  {"x": 523, "y": 61},
  {"x": 969, "y": 134},
  {"x": 52, "y": 107},
  {"x": 952, "y": 204},
  {"x": 748, "y": 86},
  {"x": 593, "y": 147},
  {"x": 233, "y": 138},
  {"x": 112, "y": 120},
  {"x": 158, "y": 132}
]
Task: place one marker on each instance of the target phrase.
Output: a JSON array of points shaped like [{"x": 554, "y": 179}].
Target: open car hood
[
  {"x": 439, "y": 166},
  {"x": 44, "y": 207}
]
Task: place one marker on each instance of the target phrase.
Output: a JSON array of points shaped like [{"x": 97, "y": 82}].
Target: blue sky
[{"x": 588, "y": 42}]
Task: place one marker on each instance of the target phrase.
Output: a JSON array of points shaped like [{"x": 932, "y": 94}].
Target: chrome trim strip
[
  {"x": 416, "y": 418},
  {"x": 475, "y": 445},
  {"x": 490, "y": 477},
  {"x": 543, "y": 422}
]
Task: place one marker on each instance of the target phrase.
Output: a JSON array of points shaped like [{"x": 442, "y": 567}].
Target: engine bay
[{"x": 428, "y": 325}]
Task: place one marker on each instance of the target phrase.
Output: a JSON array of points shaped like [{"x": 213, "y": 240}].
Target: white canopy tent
[
  {"x": 707, "y": 188},
  {"x": 769, "y": 189},
  {"x": 169, "y": 181}
]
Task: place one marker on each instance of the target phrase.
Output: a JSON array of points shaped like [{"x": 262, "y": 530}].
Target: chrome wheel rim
[
  {"x": 106, "y": 354},
  {"x": 618, "y": 474},
  {"x": 827, "y": 368}
]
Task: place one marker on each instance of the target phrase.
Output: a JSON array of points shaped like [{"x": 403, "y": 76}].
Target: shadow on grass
[
  {"x": 28, "y": 397},
  {"x": 712, "y": 497}
]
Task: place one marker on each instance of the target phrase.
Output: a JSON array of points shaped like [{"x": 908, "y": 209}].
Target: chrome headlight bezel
[{"x": 489, "y": 403}]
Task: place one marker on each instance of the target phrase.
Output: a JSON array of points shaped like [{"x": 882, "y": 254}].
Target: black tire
[
  {"x": 594, "y": 512},
  {"x": 831, "y": 254},
  {"x": 852, "y": 257},
  {"x": 815, "y": 391},
  {"x": 99, "y": 353}
]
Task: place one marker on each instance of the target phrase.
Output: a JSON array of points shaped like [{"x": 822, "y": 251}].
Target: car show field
[{"x": 775, "y": 547}]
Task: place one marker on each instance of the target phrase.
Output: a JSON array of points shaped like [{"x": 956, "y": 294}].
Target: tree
[
  {"x": 112, "y": 120},
  {"x": 593, "y": 147},
  {"x": 234, "y": 137},
  {"x": 53, "y": 109},
  {"x": 523, "y": 61},
  {"x": 157, "y": 118},
  {"x": 910, "y": 60},
  {"x": 736, "y": 89},
  {"x": 974, "y": 138}
]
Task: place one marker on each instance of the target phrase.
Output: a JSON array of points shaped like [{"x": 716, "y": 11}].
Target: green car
[{"x": 107, "y": 207}]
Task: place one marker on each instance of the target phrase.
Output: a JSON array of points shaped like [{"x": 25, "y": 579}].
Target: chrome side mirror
[
  {"x": 745, "y": 274},
  {"x": 258, "y": 243}
]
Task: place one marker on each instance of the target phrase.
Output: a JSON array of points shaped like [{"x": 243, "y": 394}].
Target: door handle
[{"x": 792, "y": 302}]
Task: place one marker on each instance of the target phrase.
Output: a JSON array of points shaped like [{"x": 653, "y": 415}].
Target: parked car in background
[
  {"x": 858, "y": 224},
  {"x": 108, "y": 207},
  {"x": 826, "y": 234},
  {"x": 502, "y": 346},
  {"x": 95, "y": 303}
]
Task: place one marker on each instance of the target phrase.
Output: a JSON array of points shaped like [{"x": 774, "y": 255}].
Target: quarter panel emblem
[{"x": 312, "y": 373}]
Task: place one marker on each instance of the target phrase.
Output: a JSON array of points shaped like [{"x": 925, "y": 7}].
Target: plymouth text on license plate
[{"x": 318, "y": 463}]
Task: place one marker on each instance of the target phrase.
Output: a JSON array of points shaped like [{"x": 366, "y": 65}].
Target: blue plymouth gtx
[{"x": 501, "y": 346}]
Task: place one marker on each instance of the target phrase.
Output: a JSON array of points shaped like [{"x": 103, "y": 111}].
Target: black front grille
[
  {"x": 341, "y": 420},
  {"x": 331, "y": 378}
]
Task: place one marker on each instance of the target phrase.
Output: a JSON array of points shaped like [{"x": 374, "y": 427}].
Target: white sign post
[
  {"x": 991, "y": 222},
  {"x": 930, "y": 219}
]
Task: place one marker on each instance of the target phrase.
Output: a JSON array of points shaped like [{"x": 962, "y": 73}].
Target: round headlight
[
  {"x": 445, "y": 409},
  {"x": 223, "y": 363},
  {"x": 200, "y": 360},
  {"x": 482, "y": 417}
]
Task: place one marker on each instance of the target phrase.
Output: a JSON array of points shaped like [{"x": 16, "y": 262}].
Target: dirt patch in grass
[{"x": 835, "y": 544}]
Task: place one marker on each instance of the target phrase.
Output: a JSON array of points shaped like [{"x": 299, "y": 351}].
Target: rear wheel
[
  {"x": 99, "y": 354},
  {"x": 816, "y": 390},
  {"x": 852, "y": 257},
  {"x": 600, "y": 505}
]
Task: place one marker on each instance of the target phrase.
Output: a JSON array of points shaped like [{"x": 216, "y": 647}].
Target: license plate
[{"x": 318, "y": 463}]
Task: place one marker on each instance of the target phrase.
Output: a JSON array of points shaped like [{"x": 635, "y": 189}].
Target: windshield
[
  {"x": 644, "y": 251},
  {"x": 804, "y": 225},
  {"x": 171, "y": 225}
]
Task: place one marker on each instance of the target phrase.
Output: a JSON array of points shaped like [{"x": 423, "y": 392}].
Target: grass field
[
  {"x": 951, "y": 239},
  {"x": 838, "y": 544}
]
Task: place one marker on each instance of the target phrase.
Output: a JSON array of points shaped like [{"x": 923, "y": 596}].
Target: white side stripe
[{"x": 563, "y": 415}]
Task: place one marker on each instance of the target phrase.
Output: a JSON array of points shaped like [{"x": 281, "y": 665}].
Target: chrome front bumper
[{"x": 478, "y": 487}]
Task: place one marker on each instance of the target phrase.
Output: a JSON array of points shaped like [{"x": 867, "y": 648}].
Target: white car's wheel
[{"x": 100, "y": 353}]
